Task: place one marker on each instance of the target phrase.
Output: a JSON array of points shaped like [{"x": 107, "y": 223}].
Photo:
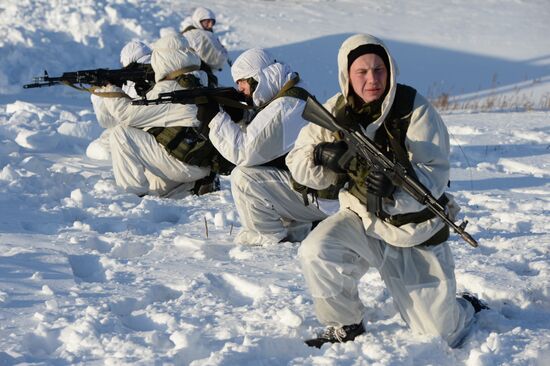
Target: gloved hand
[
  {"x": 207, "y": 111},
  {"x": 328, "y": 154},
  {"x": 379, "y": 184}
]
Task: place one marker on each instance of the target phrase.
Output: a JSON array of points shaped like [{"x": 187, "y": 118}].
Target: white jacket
[
  {"x": 169, "y": 54},
  {"x": 208, "y": 47},
  {"x": 272, "y": 131},
  {"x": 427, "y": 144}
]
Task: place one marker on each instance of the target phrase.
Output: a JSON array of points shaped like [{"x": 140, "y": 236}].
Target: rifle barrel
[{"x": 40, "y": 84}]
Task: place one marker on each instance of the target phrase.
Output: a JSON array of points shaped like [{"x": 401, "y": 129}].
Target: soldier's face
[
  {"x": 207, "y": 24},
  {"x": 244, "y": 87},
  {"x": 368, "y": 77}
]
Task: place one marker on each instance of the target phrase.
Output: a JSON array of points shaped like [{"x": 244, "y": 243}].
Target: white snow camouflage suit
[
  {"x": 205, "y": 43},
  {"x": 269, "y": 209},
  {"x": 99, "y": 149},
  {"x": 343, "y": 247},
  {"x": 140, "y": 164}
]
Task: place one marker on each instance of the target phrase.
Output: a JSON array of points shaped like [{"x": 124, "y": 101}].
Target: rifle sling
[
  {"x": 288, "y": 85},
  {"x": 93, "y": 90},
  {"x": 111, "y": 94}
]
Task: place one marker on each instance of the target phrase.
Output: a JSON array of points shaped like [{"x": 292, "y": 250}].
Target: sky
[{"x": 92, "y": 275}]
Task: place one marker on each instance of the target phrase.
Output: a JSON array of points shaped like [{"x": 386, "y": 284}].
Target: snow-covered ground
[{"x": 92, "y": 275}]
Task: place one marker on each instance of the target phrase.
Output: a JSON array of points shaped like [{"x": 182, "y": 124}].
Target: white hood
[
  {"x": 172, "y": 53},
  {"x": 343, "y": 75},
  {"x": 260, "y": 65},
  {"x": 201, "y": 13},
  {"x": 135, "y": 51},
  {"x": 250, "y": 63},
  {"x": 270, "y": 81}
]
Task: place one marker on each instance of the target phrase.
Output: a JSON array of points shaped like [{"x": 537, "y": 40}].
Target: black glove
[
  {"x": 328, "y": 154},
  {"x": 207, "y": 111},
  {"x": 379, "y": 184},
  {"x": 236, "y": 114}
]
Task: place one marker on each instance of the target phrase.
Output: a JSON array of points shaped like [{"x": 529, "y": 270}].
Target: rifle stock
[{"x": 364, "y": 147}]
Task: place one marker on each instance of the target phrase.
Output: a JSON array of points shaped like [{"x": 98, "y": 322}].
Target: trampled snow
[{"x": 92, "y": 275}]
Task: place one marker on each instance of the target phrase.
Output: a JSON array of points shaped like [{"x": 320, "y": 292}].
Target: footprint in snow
[{"x": 87, "y": 268}]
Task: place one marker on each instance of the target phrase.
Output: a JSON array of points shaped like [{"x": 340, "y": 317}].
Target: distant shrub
[{"x": 489, "y": 100}]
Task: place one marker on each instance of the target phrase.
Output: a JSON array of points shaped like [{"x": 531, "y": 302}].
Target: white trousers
[
  {"x": 420, "y": 279},
  {"x": 269, "y": 209},
  {"x": 142, "y": 166},
  {"x": 100, "y": 148}
]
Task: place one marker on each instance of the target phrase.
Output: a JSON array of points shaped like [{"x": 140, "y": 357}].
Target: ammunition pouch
[
  {"x": 186, "y": 145},
  {"x": 208, "y": 184},
  {"x": 179, "y": 142}
]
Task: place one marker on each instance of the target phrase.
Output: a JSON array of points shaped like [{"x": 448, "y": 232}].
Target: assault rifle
[
  {"x": 141, "y": 74},
  {"x": 359, "y": 144},
  {"x": 230, "y": 99}
]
